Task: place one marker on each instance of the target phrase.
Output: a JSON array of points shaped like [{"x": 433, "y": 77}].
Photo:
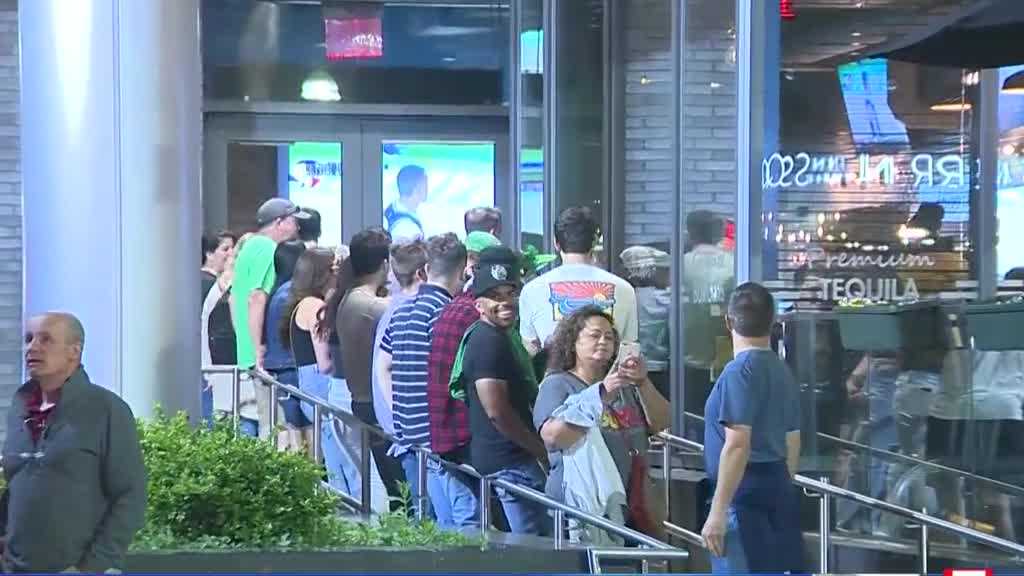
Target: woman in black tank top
[{"x": 305, "y": 330}]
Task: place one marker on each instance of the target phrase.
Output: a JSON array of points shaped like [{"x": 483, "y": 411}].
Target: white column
[{"x": 111, "y": 130}]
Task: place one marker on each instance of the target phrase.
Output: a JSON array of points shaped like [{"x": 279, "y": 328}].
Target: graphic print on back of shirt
[{"x": 570, "y": 295}]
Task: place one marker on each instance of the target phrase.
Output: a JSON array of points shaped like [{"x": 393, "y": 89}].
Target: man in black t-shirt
[{"x": 500, "y": 390}]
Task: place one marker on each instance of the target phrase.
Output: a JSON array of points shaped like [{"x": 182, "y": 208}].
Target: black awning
[{"x": 988, "y": 34}]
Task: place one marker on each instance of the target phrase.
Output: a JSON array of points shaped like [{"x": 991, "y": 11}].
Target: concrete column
[{"x": 111, "y": 131}]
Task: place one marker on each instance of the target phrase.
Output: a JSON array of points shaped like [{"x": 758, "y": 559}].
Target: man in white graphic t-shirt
[{"x": 577, "y": 282}]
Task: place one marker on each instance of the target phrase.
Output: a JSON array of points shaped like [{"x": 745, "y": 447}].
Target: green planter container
[
  {"x": 891, "y": 327},
  {"x": 996, "y": 325}
]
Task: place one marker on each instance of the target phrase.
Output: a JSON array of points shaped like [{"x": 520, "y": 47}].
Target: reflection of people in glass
[
  {"x": 401, "y": 218},
  {"x": 708, "y": 278},
  {"x": 975, "y": 424},
  {"x": 647, "y": 270}
]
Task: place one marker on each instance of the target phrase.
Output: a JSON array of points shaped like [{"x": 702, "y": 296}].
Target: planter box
[
  {"x": 495, "y": 559},
  {"x": 891, "y": 327},
  {"x": 996, "y": 325}
]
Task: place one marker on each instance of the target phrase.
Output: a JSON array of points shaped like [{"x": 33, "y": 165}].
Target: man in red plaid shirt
[{"x": 449, "y": 418}]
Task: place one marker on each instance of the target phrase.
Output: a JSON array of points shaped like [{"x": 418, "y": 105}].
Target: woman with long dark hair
[
  {"x": 305, "y": 331},
  {"x": 582, "y": 358}
]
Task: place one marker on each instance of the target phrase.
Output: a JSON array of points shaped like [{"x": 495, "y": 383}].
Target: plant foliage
[{"x": 211, "y": 489}]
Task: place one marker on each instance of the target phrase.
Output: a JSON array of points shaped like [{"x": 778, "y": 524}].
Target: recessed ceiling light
[
  {"x": 448, "y": 59},
  {"x": 951, "y": 107},
  {"x": 715, "y": 85},
  {"x": 855, "y": 34}
]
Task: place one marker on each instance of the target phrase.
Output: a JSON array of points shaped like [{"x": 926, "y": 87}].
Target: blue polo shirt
[
  {"x": 407, "y": 339},
  {"x": 756, "y": 390}
]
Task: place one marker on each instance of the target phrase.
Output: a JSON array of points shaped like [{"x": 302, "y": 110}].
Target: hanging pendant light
[
  {"x": 1014, "y": 83},
  {"x": 320, "y": 87}
]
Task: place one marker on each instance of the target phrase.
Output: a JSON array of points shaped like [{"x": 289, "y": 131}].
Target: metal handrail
[
  {"x": 827, "y": 491},
  {"x": 1005, "y": 487},
  {"x": 925, "y": 463},
  {"x": 654, "y": 548}
]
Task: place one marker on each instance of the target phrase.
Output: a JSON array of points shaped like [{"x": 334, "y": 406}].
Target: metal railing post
[
  {"x": 825, "y": 526},
  {"x": 485, "y": 507},
  {"x": 317, "y": 433},
  {"x": 236, "y": 393},
  {"x": 666, "y": 472},
  {"x": 364, "y": 469},
  {"x": 924, "y": 545},
  {"x": 559, "y": 529},
  {"x": 273, "y": 412},
  {"x": 421, "y": 477}
]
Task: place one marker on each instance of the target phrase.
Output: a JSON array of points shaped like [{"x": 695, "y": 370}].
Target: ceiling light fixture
[
  {"x": 320, "y": 87},
  {"x": 1014, "y": 84},
  {"x": 951, "y": 106}
]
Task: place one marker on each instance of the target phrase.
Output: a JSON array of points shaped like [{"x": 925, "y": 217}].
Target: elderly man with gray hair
[{"x": 76, "y": 482}]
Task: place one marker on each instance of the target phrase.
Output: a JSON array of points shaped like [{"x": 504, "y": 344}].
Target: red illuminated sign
[{"x": 786, "y": 10}]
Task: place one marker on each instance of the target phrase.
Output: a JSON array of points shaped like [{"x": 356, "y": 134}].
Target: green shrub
[{"x": 212, "y": 489}]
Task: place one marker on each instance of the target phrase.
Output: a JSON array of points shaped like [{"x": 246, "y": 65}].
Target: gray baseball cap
[{"x": 278, "y": 208}]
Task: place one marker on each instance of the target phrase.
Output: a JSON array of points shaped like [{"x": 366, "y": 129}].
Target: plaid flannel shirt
[{"x": 449, "y": 418}]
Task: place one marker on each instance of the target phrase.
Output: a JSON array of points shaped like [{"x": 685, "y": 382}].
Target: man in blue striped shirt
[{"x": 404, "y": 350}]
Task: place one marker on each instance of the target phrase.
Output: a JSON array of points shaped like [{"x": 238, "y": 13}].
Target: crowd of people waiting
[{"x": 438, "y": 342}]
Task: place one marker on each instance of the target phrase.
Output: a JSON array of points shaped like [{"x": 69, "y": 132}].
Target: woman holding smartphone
[{"x": 583, "y": 355}]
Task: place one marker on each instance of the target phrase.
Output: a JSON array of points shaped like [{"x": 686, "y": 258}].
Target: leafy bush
[{"x": 211, "y": 489}]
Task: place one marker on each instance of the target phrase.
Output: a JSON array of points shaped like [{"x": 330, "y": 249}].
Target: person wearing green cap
[{"x": 477, "y": 242}]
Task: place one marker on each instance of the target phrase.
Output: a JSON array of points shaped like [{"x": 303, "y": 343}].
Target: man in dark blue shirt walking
[{"x": 752, "y": 448}]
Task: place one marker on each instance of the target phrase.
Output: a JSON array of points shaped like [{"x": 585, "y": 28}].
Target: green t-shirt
[{"x": 254, "y": 270}]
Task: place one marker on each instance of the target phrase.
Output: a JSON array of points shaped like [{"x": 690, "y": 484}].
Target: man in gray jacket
[{"x": 76, "y": 483}]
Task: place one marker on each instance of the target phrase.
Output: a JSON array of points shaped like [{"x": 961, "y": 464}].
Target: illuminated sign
[
  {"x": 875, "y": 289},
  {"x": 803, "y": 170},
  {"x": 840, "y": 260},
  {"x": 786, "y": 10}
]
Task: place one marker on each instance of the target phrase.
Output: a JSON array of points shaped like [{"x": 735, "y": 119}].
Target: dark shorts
[
  {"x": 988, "y": 448},
  {"x": 289, "y": 404}
]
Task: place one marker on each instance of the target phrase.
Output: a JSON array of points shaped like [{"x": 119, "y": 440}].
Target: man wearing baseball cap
[
  {"x": 278, "y": 221},
  {"x": 500, "y": 389}
]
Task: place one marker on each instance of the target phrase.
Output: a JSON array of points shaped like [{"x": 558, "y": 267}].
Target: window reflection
[{"x": 358, "y": 52}]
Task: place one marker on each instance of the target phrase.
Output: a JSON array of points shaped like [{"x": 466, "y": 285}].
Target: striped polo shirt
[{"x": 407, "y": 339}]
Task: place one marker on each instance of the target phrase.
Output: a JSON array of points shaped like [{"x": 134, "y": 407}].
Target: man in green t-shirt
[{"x": 277, "y": 220}]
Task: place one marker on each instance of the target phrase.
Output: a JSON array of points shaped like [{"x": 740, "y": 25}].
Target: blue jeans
[
  {"x": 412, "y": 477},
  {"x": 763, "y": 524},
  {"x": 206, "y": 403},
  {"x": 248, "y": 427},
  {"x": 453, "y": 496},
  {"x": 342, "y": 472},
  {"x": 524, "y": 516}
]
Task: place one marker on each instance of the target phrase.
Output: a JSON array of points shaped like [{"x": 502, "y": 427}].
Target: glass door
[
  {"x": 422, "y": 176},
  {"x": 415, "y": 177},
  {"x": 312, "y": 161}
]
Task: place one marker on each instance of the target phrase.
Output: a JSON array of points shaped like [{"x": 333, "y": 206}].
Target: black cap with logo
[{"x": 498, "y": 266}]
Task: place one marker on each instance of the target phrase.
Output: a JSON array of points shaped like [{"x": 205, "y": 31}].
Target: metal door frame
[{"x": 361, "y": 138}]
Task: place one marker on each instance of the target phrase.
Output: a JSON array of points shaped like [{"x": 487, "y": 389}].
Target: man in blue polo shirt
[
  {"x": 752, "y": 448},
  {"x": 406, "y": 346}
]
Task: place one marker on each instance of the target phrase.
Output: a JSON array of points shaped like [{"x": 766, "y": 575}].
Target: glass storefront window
[
  {"x": 579, "y": 153},
  {"x": 531, "y": 124},
  {"x": 870, "y": 180},
  {"x": 1010, "y": 183},
  {"x": 708, "y": 199},
  {"x": 355, "y": 52}
]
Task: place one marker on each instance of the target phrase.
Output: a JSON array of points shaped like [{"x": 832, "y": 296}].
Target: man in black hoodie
[{"x": 76, "y": 482}]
